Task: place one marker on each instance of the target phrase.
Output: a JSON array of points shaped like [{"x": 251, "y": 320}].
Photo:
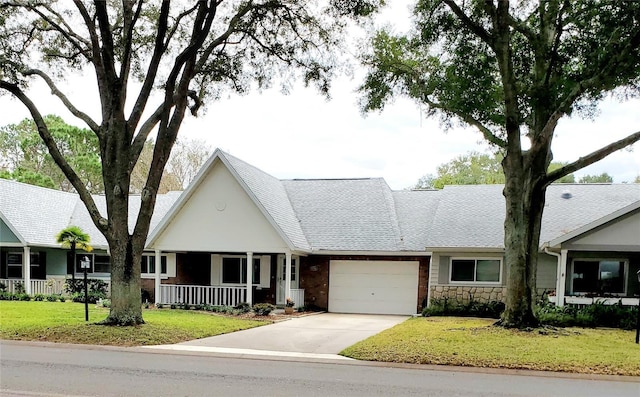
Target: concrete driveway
[{"x": 326, "y": 333}]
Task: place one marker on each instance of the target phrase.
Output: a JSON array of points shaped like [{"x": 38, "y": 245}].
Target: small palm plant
[{"x": 74, "y": 238}]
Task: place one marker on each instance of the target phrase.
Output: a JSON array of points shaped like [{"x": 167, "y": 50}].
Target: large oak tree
[
  {"x": 153, "y": 61},
  {"x": 512, "y": 70}
]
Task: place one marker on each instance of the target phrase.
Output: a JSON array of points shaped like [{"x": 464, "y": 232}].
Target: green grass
[
  {"x": 477, "y": 343},
  {"x": 64, "y": 323}
]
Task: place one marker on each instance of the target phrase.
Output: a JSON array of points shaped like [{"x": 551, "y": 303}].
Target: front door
[{"x": 280, "y": 298}]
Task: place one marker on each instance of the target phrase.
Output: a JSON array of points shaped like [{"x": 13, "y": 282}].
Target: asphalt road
[{"x": 28, "y": 370}]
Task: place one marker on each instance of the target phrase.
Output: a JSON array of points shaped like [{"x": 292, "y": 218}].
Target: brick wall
[{"x": 314, "y": 277}]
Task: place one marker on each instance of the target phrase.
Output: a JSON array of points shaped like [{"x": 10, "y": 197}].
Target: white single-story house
[{"x": 343, "y": 245}]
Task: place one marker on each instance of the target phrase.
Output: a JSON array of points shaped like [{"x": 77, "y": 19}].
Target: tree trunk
[
  {"x": 524, "y": 198},
  {"x": 126, "y": 308}
]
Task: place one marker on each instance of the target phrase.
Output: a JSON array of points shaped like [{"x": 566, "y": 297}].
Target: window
[
  {"x": 475, "y": 270},
  {"x": 102, "y": 264},
  {"x": 293, "y": 269},
  {"x": 598, "y": 276},
  {"x": 148, "y": 265},
  {"x": 14, "y": 263},
  {"x": 234, "y": 270}
]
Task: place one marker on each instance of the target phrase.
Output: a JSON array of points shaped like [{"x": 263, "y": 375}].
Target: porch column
[
  {"x": 562, "y": 278},
  {"x": 287, "y": 275},
  {"x": 157, "y": 278},
  {"x": 250, "y": 278},
  {"x": 26, "y": 269}
]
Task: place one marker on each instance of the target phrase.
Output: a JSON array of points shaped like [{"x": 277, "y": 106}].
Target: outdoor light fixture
[{"x": 85, "y": 264}]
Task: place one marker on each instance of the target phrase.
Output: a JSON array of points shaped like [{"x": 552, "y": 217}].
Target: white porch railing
[
  {"x": 47, "y": 287},
  {"x": 214, "y": 295},
  {"x": 44, "y": 287},
  {"x": 298, "y": 297},
  {"x": 582, "y": 300}
]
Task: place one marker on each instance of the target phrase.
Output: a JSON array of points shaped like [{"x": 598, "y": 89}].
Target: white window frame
[
  {"x": 163, "y": 275},
  {"x": 476, "y": 259},
  {"x": 253, "y": 274},
  {"x": 625, "y": 276}
]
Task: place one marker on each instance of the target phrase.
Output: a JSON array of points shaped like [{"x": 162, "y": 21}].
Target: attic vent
[{"x": 566, "y": 195}]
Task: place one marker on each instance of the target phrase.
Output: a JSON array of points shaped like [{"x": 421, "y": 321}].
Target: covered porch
[{"x": 224, "y": 279}]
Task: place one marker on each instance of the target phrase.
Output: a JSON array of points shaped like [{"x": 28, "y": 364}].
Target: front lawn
[
  {"x": 477, "y": 343},
  {"x": 64, "y": 322}
]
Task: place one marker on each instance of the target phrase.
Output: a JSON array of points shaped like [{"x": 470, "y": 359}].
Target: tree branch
[
  {"x": 100, "y": 222},
  {"x": 152, "y": 70},
  {"x": 55, "y": 91},
  {"x": 591, "y": 158},
  {"x": 473, "y": 26}
]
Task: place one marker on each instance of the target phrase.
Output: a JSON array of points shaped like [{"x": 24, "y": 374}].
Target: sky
[{"x": 304, "y": 135}]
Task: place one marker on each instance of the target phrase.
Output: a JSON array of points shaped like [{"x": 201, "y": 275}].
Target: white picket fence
[{"x": 202, "y": 295}]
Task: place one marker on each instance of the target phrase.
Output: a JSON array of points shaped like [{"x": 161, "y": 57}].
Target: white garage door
[{"x": 373, "y": 287}]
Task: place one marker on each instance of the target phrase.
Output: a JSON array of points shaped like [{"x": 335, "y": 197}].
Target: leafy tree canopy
[
  {"x": 154, "y": 61},
  {"x": 602, "y": 178},
  {"x": 512, "y": 70},
  {"x": 26, "y": 158},
  {"x": 474, "y": 168}
]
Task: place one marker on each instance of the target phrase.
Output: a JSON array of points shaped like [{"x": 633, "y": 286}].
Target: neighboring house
[
  {"x": 347, "y": 245},
  {"x": 32, "y": 216},
  {"x": 590, "y": 243}
]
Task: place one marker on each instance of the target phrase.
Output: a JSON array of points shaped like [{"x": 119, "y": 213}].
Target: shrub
[
  {"x": 106, "y": 302},
  {"x": 5, "y": 296},
  {"x": 472, "y": 308},
  {"x": 38, "y": 297},
  {"x": 159, "y": 305},
  {"x": 91, "y": 297},
  {"x": 62, "y": 298},
  {"x": 263, "y": 309},
  {"x": 18, "y": 287},
  {"x": 21, "y": 297},
  {"x": 243, "y": 307},
  {"x": 3, "y": 287},
  {"x": 595, "y": 315},
  {"x": 95, "y": 286},
  {"x": 51, "y": 298}
]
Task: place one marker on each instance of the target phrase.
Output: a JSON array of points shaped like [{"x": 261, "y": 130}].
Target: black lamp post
[
  {"x": 85, "y": 263},
  {"x": 638, "y": 322}
]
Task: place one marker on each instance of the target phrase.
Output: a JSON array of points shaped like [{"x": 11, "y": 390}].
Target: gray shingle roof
[
  {"x": 341, "y": 214},
  {"x": 271, "y": 194},
  {"x": 415, "y": 211},
  {"x": 346, "y": 214},
  {"x": 38, "y": 213},
  {"x": 472, "y": 216}
]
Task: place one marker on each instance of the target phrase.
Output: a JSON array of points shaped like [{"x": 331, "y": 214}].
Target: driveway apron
[{"x": 327, "y": 333}]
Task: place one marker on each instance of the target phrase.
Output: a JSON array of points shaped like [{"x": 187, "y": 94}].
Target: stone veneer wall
[{"x": 465, "y": 293}]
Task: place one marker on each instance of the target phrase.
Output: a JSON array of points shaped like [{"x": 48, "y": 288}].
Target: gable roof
[
  {"x": 36, "y": 214},
  {"x": 339, "y": 215},
  {"x": 633, "y": 207},
  {"x": 266, "y": 192},
  {"x": 472, "y": 216}
]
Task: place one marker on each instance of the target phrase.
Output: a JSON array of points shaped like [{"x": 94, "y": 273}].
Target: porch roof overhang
[
  {"x": 556, "y": 243},
  {"x": 13, "y": 230}
]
